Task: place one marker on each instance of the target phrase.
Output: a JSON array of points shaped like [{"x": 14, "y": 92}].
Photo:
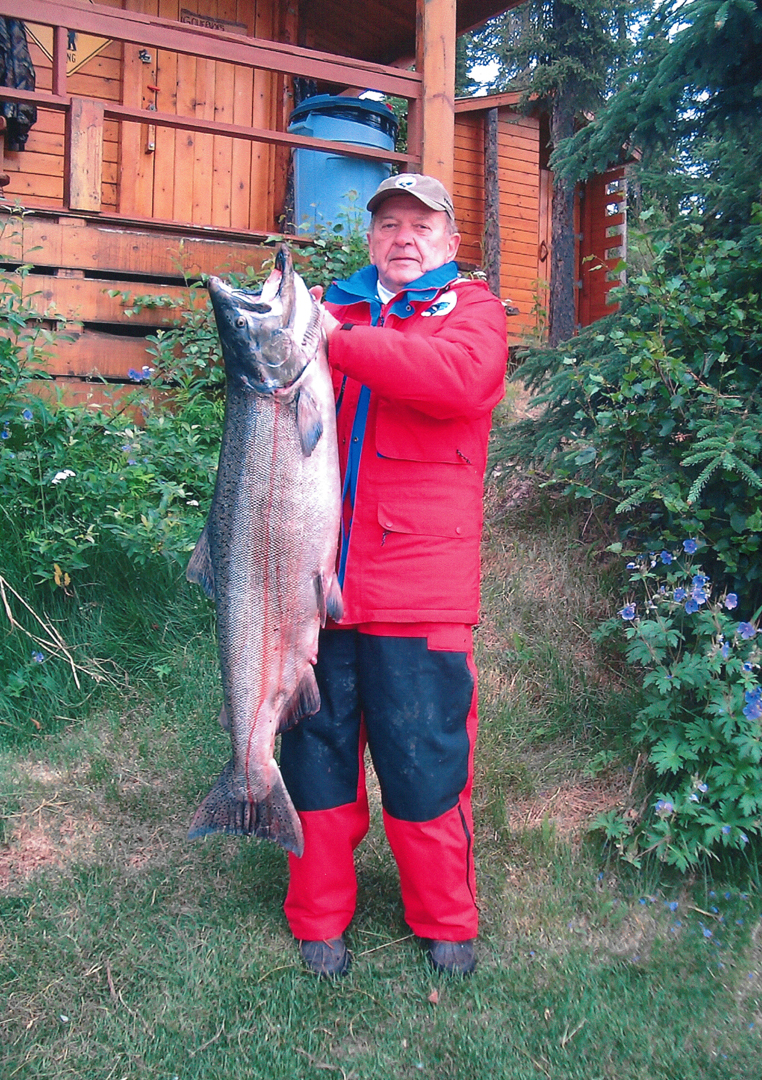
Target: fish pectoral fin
[
  {"x": 309, "y": 422},
  {"x": 329, "y": 598},
  {"x": 272, "y": 818},
  {"x": 200, "y": 569},
  {"x": 305, "y": 701}
]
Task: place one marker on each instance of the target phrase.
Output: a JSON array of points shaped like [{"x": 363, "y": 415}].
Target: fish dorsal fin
[
  {"x": 309, "y": 422},
  {"x": 200, "y": 569},
  {"x": 305, "y": 701}
]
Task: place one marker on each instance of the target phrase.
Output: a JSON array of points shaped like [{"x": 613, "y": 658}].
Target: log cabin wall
[
  {"x": 522, "y": 265},
  {"x": 525, "y": 198},
  {"x": 155, "y": 172},
  {"x": 136, "y": 208}
]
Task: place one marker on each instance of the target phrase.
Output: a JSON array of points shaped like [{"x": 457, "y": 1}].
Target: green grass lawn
[{"x": 128, "y": 952}]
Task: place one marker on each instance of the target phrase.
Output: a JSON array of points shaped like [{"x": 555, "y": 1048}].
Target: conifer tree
[
  {"x": 694, "y": 93},
  {"x": 562, "y": 55}
]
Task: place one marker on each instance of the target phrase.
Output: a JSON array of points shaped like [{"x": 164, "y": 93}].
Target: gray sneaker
[
  {"x": 452, "y": 957},
  {"x": 327, "y": 959}
]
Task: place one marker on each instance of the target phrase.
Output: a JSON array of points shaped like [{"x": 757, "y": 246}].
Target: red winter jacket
[{"x": 434, "y": 364}]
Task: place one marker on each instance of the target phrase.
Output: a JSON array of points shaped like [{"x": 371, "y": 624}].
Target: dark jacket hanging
[{"x": 16, "y": 70}]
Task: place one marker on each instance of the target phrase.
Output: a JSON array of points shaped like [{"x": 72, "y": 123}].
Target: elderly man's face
[{"x": 407, "y": 239}]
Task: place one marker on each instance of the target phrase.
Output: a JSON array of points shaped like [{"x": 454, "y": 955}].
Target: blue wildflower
[
  {"x": 691, "y": 606},
  {"x": 746, "y": 630},
  {"x": 747, "y": 666},
  {"x": 693, "y": 797},
  {"x": 725, "y": 650},
  {"x": 702, "y": 787},
  {"x": 699, "y": 580},
  {"x": 725, "y": 830},
  {"x": 666, "y": 558},
  {"x": 744, "y": 838},
  {"x": 698, "y": 594},
  {"x": 672, "y": 905},
  {"x": 731, "y": 601},
  {"x": 690, "y": 547},
  {"x": 664, "y": 807},
  {"x": 28, "y": 414},
  {"x": 680, "y": 595},
  {"x": 135, "y": 376},
  {"x": 753, "y": 708},
  {"x": 632, "y": 566},
  {"x": 628, "y": 612},
  {"x": 37, "y": 656},
  {"x": 5, "y": 433}
]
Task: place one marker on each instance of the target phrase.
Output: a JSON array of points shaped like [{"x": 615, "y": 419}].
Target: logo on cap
[{"x": 405, "y": 181}]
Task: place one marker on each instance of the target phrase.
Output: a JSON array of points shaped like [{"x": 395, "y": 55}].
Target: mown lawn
[{"x": 128, "y": 952}]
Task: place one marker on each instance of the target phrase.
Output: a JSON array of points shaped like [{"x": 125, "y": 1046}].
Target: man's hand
[{"x": 329, "y": 322}]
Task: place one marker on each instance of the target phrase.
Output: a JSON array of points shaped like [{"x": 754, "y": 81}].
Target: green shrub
[
  {"x": 699, "y": 725},
  {"x": 654, "y": 411}
]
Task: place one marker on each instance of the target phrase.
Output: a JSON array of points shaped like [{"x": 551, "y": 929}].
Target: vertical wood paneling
[
  {"x": 164, "y": 156},
  {"x": 203, "y": 145}
]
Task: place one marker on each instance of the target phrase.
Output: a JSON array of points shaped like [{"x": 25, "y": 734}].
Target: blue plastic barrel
[{"x": 323, "y": 182}]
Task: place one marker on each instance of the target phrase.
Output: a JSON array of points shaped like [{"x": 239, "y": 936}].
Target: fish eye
[{"x": 240, "y": 321}]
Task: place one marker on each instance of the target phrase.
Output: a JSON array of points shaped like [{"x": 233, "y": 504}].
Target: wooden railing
[{"x": 85, "y": 116}]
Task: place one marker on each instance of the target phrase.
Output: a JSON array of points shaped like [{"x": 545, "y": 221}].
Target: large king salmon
[{"x": 267, "y": 554}]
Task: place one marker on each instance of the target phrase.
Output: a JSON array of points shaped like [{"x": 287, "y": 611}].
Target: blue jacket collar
[{"x": 362, "y": 286}]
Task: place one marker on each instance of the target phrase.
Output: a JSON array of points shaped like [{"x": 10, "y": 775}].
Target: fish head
[{"x": 266, "y": 335}]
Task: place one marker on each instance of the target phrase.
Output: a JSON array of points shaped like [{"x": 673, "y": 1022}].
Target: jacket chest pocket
[{"x": 410, "y": 435}]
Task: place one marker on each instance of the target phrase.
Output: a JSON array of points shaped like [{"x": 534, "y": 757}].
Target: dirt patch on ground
[
  {"x": 47, "y": 837},
  {"x": 570, "y": 805}
]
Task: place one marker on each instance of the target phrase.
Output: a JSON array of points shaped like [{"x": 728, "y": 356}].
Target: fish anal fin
[
  {"x": 200, "y": 570},
  {"x": 272, "y": 818},
  {"x": 329, "y": 599},
  {"x": 334, "y": 600},
  {"x": 305, "y": 701},
  {"x": 309, "y": 422}
]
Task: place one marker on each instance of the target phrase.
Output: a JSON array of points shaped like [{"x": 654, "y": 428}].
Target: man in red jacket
[{"x": 418, "y": 356}]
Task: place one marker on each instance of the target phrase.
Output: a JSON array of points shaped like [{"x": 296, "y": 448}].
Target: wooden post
[
  {"x": 491, "y": 202},
  {"x": 435, "y": 59},
  {"x": 84, "y": 153},
  {"x": 289, "y": 32},
  {"x": 60, "y": 42},
  {"x": 4, "y": 177}
]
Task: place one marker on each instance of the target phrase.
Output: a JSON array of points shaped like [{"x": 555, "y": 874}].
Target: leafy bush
[
  {"x": 654, "y": 411},
  {"x": 699, "y": 726}
]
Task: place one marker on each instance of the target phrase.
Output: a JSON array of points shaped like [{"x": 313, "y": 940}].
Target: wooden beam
[
  {"x": 435, "y": 60},
  {"x": 150, "y": 31},
  {"x": 84, "y": 154}
]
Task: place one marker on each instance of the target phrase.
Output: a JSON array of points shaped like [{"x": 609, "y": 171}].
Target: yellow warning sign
[{"x": 79, "y": 47}]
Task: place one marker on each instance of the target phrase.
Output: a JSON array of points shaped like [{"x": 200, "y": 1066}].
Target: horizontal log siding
[
  {"x": 79, "y": 261},
  {"x": 519, "y": 169}
]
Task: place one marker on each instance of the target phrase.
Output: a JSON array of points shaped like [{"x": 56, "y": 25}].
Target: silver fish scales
[{"x": 267, "y": 553}]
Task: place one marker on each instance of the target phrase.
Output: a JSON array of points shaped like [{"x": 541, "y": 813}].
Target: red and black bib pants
[{"x": 408, "y": 692}]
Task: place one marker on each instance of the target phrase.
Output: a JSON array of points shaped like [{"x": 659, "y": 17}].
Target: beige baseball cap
[{"x": 425, "y": 188}]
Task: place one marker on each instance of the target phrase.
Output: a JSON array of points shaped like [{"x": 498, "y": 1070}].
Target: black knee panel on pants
[{"x": 415, "y": 703}]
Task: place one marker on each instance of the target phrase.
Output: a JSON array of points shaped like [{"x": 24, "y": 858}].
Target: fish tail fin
[{"x": 272, "y": 818}]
